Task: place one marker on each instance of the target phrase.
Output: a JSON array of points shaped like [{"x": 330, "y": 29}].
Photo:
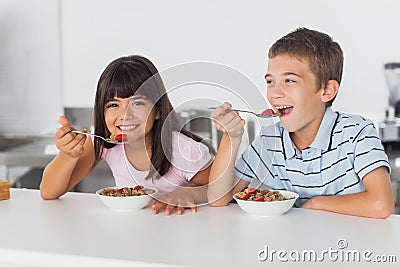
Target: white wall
[
  {"x": 45, "y": 65},
  {"x": 30, "y": 67},
  {"x": 232, "y": 33}
]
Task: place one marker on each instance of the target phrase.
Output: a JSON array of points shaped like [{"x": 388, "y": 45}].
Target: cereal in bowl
[
  {"x": 126, "y": 191},
  {"x": 264, "y": 195}
]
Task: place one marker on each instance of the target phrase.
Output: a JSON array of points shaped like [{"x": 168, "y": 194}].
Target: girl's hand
[
  {"x": 228, "y": 121},
  {"x": 67, "y": 142},
  {"x": 178, "y": 200}
]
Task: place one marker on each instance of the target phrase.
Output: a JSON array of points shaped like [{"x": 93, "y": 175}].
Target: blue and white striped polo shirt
[{"x": 346, "y": 148}]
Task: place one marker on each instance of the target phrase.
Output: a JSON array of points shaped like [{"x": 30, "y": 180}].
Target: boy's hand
[
  {"x": 67, "y": 142},
  {"x": 228, "y": 121}
]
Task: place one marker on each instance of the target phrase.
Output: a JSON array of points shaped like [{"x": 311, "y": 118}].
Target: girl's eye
[{"x": 111, "y": 105}]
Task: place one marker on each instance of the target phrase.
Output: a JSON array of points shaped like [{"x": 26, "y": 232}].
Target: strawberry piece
[
  {"x": 268, "y": 112},
  {"x": 121, "y": 137},
  {"x": 251, "y": 190},
  {"x": 245, "y": 197},
  {"x": 260, "y": 199},
  {"x": 120, "y": 190},
  {"x": 138, "y": 187}
]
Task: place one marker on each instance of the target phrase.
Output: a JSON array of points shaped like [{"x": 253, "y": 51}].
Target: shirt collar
[
  {"x": 288, "y": 146},
  {"x": 320, "y": 142},
  {"x": 323, "y": 138}
]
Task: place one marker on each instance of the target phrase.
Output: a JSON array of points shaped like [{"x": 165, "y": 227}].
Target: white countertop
[{"x": 78, "y": 230}]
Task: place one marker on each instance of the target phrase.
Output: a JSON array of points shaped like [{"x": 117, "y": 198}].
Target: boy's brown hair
[{"x": 323, "y": 55}]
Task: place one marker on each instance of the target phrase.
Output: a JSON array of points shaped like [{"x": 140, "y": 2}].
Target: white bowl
[
  {"x": 272, "y": 208},
  {"x": 126, "y": 203}
]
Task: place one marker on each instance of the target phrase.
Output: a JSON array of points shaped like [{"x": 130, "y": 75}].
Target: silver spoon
[
  {"x": 260, "y": 115},
  {"x": 108, "y": 140}
]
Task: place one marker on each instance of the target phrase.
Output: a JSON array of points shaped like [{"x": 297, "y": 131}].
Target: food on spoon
[
  {"x": 126, "y": 191},
  {"x": 118, "y": 137},
  {"x": 265, "y": 195},
  {"x": 268, "y": 111},
  {"x": 121, "y": 137}
]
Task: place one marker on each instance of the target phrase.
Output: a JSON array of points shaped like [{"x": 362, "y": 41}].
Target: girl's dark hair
[{"x": 136, "y": 75}]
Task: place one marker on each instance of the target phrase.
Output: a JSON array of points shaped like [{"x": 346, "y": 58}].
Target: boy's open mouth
[{"x": 284, "y": 110}]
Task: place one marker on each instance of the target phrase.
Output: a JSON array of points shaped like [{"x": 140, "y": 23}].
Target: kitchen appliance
[
  {"x": 389, "y": 129},
  {"x": 199, "y": 122}
]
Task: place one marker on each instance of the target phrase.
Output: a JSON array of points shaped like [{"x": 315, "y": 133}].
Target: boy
[{"x": 334, "y": 161}]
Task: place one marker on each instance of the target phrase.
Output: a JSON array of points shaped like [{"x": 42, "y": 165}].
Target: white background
[
  {"x": 69, "y": 43},
  {"x": 30, "y": 66},
  {"x": 230, "y": 32}
]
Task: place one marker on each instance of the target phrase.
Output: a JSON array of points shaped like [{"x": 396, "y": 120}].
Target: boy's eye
[
  {"x": 290, "y": 81},
  {"x": 138, "y": 103},
  {"x": 269, "y": 81}
]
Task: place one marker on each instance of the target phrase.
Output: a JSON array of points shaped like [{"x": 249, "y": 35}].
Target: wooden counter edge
[{"x": 4, "y": 190}]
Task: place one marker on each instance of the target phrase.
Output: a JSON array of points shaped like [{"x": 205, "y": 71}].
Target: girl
[{"x": 131, "y": 99}]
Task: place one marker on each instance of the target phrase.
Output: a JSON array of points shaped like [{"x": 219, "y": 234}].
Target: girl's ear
[
  {"x": 330, "y": 91},
  {"x": 157, "y": 116}
]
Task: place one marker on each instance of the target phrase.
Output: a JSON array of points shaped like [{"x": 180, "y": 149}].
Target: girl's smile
[
  {"x": 133, "y": 116},
  {"x": 127, "y": 128}
]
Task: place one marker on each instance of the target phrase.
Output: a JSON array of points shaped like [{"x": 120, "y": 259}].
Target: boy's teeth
[
  {"x": 127, "y": 128},
  {"x": 283, "y": 107}
]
